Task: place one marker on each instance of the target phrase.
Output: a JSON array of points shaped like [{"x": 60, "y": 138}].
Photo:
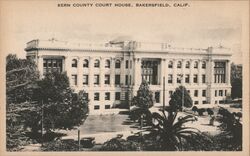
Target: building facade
[{"x": 111, "y": 73}]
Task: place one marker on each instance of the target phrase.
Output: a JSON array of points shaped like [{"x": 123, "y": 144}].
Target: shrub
[
  {"x": 201, "y": 111},
  {"x": 117, "y": 144},
  {"x": 210, "y": 111}
]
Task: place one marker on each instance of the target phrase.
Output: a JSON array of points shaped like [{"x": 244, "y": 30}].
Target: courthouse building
[{"x": 111, "y": 73}]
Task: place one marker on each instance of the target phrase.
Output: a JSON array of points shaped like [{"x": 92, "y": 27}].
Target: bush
[
  {"x": 210, "y": 111},
  {"x": 194, "y": 109},
  {"x": 117, "y": 144},
  {"x": 61, "y": 145},
  {"x": 201, "y": 111}
]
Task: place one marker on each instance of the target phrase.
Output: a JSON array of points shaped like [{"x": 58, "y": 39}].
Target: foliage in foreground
[
  {"x": 61, "y": 145},
  {"x": 118, "y": 144}
]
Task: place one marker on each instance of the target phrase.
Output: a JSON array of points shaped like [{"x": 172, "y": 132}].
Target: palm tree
[{"x": 170, "y": 134}]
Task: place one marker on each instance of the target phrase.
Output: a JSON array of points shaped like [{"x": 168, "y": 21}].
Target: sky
[{"x": 200, "y": 25}]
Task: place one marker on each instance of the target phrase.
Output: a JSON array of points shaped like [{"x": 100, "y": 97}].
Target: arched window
[
  {"x": 97, "y": 64},
  {"x": 74, "y": 63},
  {"x": 117, "y": 64},
  {"x": 170, "y": 64},
  {"x": 187, "y": 64},
  {"x": 107, "y": 64},
  {"x": 85, "y": 63},
  {"x": 203, "y": 65},
  {"x": 179, "y": 64},
  {"x": 196, "y": 64}
]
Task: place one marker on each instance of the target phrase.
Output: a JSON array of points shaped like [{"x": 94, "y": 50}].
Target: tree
[
  {"x": 59, "y": 107},
  {"x": 177, "y": 97},
  {"x": 20, "y": 76},
  {"x": 143, "y": 101},
  {"x": 236, "y": 81}
]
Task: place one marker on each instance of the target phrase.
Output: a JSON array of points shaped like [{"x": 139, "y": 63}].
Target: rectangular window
[
  {"x": 170, "y": 93},
  {"x": 170, "y": 78},
  {"x": 107, "y": 96},
  {"x": 157, "y": 97},
  {"x": 107, "y": 79},
  {"x": 126, "y": 64},
  {"x": 126, "y": 80},
  {"x": 96, "y": 79},
  {"x": 74, "y": 79},
  {"x": 179, "y": 78},
  {"x": 85, "y": 79},
  {"x": 215, "y": 93},
  {"x": 204, "y": 102},
  {"x": 196, "y": 93},
  {"x": 96, "y": 107},
  {"x": 195, "y": 78},
  {"x": 117, "y": 95},
  {"x": 107, "y": 106},
  {"x": 130, "y": 64},
  {"x": 225, "y": 92},
  {"x": 117, "y": 79},
  {"x": 96, "y": 96},
  {"x": 196, "y": 102},
  {"x": 203, "y": 78},
  {"x": 220, "y": 92},
  {"x": 187, "y": 78},
  {"x": 204, "y": 93}
]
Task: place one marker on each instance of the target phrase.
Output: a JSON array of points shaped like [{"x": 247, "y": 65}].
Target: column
[
  {"x": 137, "y": 72},
  {"x": 199, "y": 72},
  {"x": 163, "y": 69},
  {"x": 91, "y": 74},
  {"x": 80, "y": 73},
  {"x": 228, "y": 73},
  {"x": 174, "y": 73},
  {"x": 102, "y": 67},
  {"x": 40, "y": 65},
  {"x": 122, "y": 73},
  {"x": 68, "y": 66},
  {"x": 112, "y": 73},
  {"x": 183, "y": 62}
]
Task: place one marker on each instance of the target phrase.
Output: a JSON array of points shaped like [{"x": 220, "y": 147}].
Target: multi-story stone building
[{"x": 111, "y": 73}]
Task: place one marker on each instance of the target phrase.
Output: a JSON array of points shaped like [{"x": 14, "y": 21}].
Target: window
[
  {"x": 203, "y": 78},
  {"x": 196, "y": 102},
  {"x": 107, "y": 96},
  {"x": 195, "y": 78},
  {"x": 170, "y": 93},
  {"x": 170, "y": 78},
  {"x": 204, "y": 93},
  {"x": 187, "y": 78},
  {"x": 179, "y": 64},
  {"x": 96, "y": 107},
  {"x": 96, "y": 79},
  {"x": 219, "y": 72},
  {"x": 170, "y": 64},
  {"x": 188, "y": 91},
  {"x": 196, "y": 93},
  {"x": 96, "y": 96},
  {"x": 107, "y": 106},
  {"x": 97, "y": 64},
  {"x": 51, "y": 65},
  {"x": 85, "y": 79},
  {"x": 117, "y": 79},
  {"x": 107, "y": 79},
  {"x": 195, "y": 64},
  {"x": 130, "y": 64},
  {"x": 220, "y": 92},
  {"x": 157, "y": 97},
  {"x": 107, "y": 63},
  {"x": 86, "y": 96},
  {"x": 126, "y": 64},
  {"x": 204, "y": 102},
  {"x": 74, "y": 79},
  {"x": 117, "y": 95},
  {"x": 85, "y": 63},
  {"x": 117, "y": 64},
  {"x": 187, "y": 64},
  {"x": 203, "y": 65},
  {"x": 225, "y": 92},
  {"x": 179, "y": 78},
  {"x": 126, "y": 80},
  {"x": 74, "y": 63},
  {"x": 215, "y": 93}
]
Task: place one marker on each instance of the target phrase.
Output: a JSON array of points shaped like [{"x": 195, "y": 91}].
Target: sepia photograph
[{"x": 128, "y": 76}]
